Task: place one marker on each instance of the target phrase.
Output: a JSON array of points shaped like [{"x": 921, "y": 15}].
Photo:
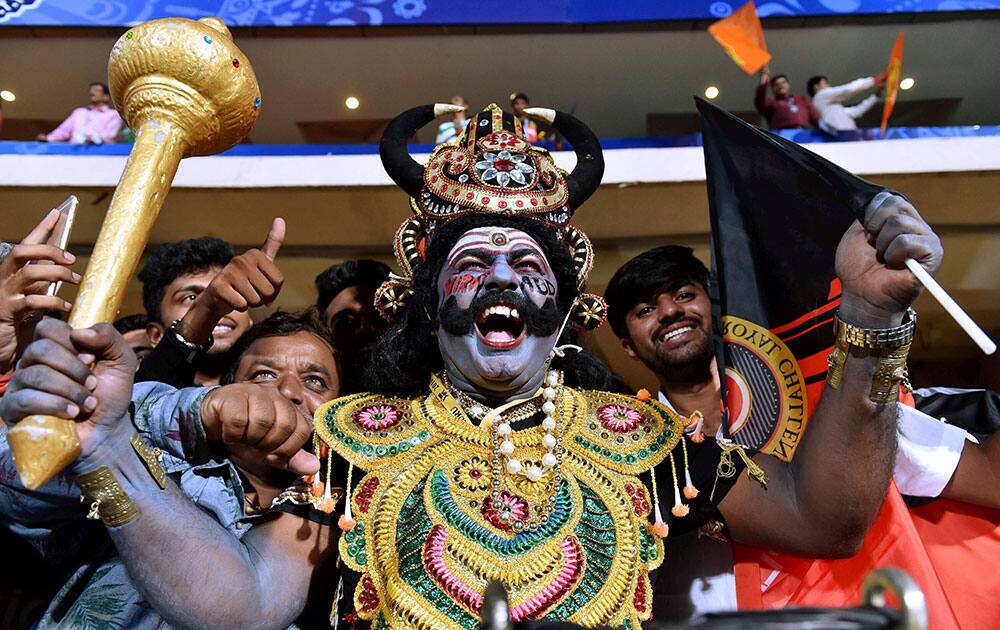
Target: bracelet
[
  {"x": 151, "y": 457},
  {"x": 108, "y": 501},
  {"x": 890, "y": 347},
  {"x": 193, "y": 350}
]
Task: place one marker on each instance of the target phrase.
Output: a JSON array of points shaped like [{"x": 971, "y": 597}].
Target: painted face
[
  {"x": 671, "y": 334},
  {"x": 300, "y": 365},
  {"x": 498, "y": 318}
]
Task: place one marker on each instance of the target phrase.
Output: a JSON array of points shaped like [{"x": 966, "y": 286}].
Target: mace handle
[{"x": 44, "y": 445}]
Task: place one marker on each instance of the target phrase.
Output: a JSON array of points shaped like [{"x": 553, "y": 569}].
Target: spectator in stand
[
  {"x": 133, "y": 329},
  {"x": 451, "y": 128},
  {"x": 829, "y": 101},
  {"x": 97, "y": 123},
  {"x": 518, "y": 103},
  {"x": 346, "y": 300},
  {"x": 198, "y": 296},
  {"x": 785, "y": 110}
]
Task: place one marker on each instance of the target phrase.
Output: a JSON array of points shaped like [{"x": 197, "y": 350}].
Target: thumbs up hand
[{"x": 249, "y": 280}]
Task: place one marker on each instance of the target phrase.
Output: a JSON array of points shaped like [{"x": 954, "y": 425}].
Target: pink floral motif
[
  {"x": 504, "y": 510},
  {"x": 619, "y": 418},
  {"x": 377, "y": 417}
]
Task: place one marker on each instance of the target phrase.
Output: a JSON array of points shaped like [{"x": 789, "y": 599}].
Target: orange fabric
[
  {"x": 963, "y": 543},
  {"x": 742, "y": 37},
  {"x": 892, "y": 74},
  {"x": 4, "y": 381},
  {"x": 893, "y": 541}
]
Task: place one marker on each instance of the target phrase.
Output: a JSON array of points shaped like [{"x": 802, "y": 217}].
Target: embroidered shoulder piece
[
  {"x": 624, "y": 433},
  {"x": 372, "y": 431}
]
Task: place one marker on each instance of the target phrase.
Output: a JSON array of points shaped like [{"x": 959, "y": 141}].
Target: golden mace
[{"x": 185, "y": 89}]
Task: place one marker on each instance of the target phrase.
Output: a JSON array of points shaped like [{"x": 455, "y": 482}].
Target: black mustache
[
  {"x": 538, "y": 321},
  {"x": 676, "y": 320}
]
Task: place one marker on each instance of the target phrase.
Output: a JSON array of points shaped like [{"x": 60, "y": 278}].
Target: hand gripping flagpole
[
  {"x": 962, "y": 318},
  {"x": 185, "y": 89}
]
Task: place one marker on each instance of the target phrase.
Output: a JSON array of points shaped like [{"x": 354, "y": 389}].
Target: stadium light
[
  {"x": 8, "y": 96},
  {"x": 352, "y": 102},
  {"x": 906, "y": 83},
  {"x": 711, "y": 92}
]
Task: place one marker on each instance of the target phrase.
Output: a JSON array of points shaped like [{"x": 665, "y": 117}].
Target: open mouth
[{"x": 500, "y": 326}]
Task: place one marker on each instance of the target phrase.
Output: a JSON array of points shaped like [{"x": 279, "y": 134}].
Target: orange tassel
[
  {"x": 345, "y": 522},
  {"x": 327, "y": 505},
  {"x": 698, "y": 437},
  {"x": 643, "y": 394},
  {"x": 323, "y": 450},
  {"x": 690, "y": 492},
  {"x": 317, "y": 490},
  {"x": 680, "y": 510},
  {"x": 660, "y": 529}
]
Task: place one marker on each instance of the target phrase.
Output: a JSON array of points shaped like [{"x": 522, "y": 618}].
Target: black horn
[
  {"x": 586, "y": 177},
  {"x": 403, "y": 169}
]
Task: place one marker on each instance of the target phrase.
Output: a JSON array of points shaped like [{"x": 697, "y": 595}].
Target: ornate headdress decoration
[{"x": 490, "y": 169}]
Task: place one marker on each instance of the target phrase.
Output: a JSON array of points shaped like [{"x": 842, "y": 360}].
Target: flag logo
[{"x": 765, "y": 390}]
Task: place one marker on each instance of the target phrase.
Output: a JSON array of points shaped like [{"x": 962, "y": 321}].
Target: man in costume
[{"x": 484, "y": 454}]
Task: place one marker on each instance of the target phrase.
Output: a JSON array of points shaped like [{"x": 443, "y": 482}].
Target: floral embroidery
[
  {"x": 639, "y": 601},
  {"x": 377, "y": 417},
  {"x": 505, "y": 509},
  {"x": 364, "y": 496},
  {"x": 368, "y": 597},
  {"x": 473, "y": 474},
  {"x": 619, "y": 418},
  {"x": 504, "y": 167},
  {"x": 640, "y": 505}
]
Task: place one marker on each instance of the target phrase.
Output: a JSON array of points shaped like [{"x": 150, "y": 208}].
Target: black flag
[{"x": 778, "y": 213}]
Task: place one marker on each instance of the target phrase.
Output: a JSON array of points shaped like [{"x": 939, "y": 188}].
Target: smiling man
[
  {"x": 198, "y": 297},
  {"x": 485, "y": 450}
]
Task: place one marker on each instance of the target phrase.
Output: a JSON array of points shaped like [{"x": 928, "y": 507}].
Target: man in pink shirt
[{"x": 97, "y": 123}]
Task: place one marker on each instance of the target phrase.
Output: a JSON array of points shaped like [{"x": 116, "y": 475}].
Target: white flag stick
[{"x": 961, "y": 317}]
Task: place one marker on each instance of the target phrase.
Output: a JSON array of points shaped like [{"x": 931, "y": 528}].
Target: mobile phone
[{"x": 60, "y": 234}]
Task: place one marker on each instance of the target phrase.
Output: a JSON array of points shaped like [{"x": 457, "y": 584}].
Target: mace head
[{"x": 187, "y": 74}]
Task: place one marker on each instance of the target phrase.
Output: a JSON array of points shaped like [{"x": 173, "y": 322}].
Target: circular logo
[{"x": 765, "y": 391}]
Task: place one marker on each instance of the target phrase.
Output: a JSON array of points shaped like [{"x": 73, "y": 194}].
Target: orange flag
[
  {"x": 742, "y": 37},
  {"x": 892, "y": 74}
]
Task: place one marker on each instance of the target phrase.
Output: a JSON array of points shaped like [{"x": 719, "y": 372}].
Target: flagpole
[{"x": 962, "y": 318}]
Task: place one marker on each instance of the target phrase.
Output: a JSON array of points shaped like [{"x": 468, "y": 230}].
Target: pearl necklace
[
  {"x": 502, "y": 430},
  {"x": 551, "y": 442}
]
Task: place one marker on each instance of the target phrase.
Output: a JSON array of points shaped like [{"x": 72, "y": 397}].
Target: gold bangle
[
  {"x": 108, "y": 500},
  {"x": 890, "y": 373},
  {"x": 151, "y": 457}
]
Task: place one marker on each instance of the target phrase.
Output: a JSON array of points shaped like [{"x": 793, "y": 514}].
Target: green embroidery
[
  {"x": 411, "y": 533},
  {"x": 355, "y": 541},
  {"x": 596, "y": 533}
]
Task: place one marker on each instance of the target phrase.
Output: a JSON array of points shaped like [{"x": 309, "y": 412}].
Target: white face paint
[{"x": 503, "y": 275}]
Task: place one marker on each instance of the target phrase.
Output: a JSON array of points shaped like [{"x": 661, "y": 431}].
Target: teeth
[
  {"x": 675, "y": 333},
  {"x": 502, "y": 311}
]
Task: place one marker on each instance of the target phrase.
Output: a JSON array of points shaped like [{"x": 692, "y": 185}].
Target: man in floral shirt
[{"x": 97, "y": 591}]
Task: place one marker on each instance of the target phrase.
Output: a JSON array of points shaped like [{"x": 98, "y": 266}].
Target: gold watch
[{"x": 890, "y": 347}]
